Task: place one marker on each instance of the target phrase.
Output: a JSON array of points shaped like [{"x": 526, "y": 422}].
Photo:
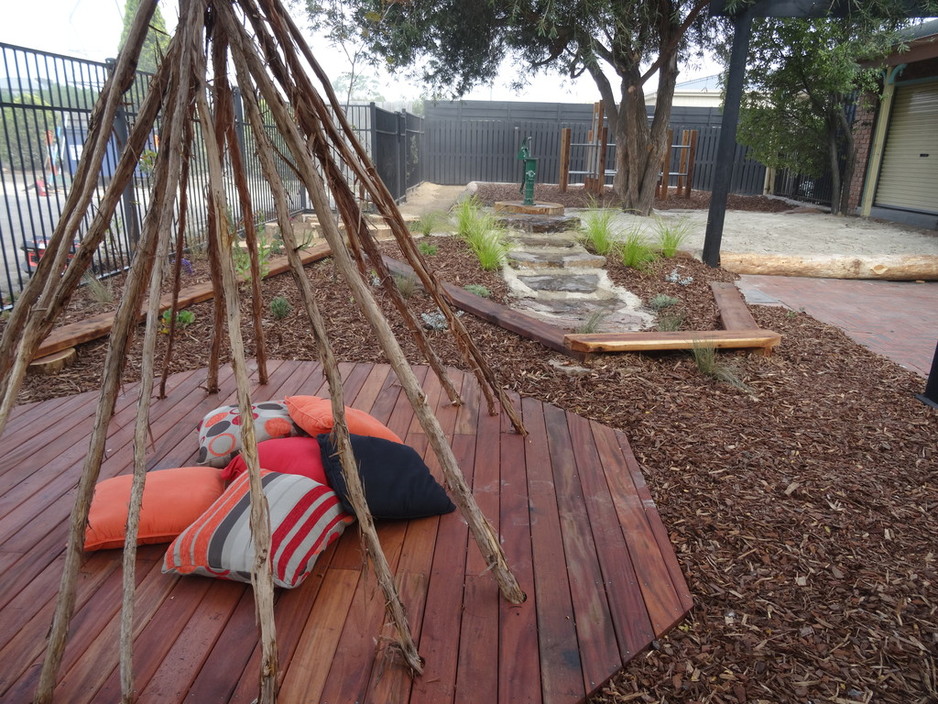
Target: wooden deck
[{"x": 578, "y": 524}]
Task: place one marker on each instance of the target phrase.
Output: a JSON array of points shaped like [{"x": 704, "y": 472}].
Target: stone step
[
  {"x": 602, "y": 316},
  {"x": 539, "y": 223},
  {"x": 557, "y": 240},
  {"x": 553, "y": 259},
  {"x": 567, "y": 283}
]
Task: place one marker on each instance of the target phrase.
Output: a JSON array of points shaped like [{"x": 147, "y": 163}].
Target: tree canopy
[
  {"x": 803, "y": 78},
  {"x": 156, "y": 41},
  {"x": 457, "y": 44}
]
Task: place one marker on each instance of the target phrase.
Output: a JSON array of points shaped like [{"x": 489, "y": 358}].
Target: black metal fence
[
  {"x": 479, "y": 140},
  {"x": 45, "y": 104}
]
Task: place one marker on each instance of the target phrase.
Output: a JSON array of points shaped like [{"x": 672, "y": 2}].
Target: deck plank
[{"x": 575, "y": 517}]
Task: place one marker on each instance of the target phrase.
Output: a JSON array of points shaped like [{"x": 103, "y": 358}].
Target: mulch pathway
[{"x": 802, "y": 505}]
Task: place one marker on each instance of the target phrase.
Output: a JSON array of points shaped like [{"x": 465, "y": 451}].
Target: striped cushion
[{"x": 305, "y": 516}]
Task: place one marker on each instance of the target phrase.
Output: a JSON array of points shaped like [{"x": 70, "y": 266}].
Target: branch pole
[
  {"x": 121, "y": 334},
  {"x": 369, "y": 536},
  {"x": 261, "y": 573},
  {"x": 482, "y": 531}
]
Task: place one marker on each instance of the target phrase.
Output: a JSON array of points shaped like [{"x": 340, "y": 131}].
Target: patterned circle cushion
[
  {"x": 314, "y": 415},
  {"x": 220, "y": 430},
  {"x": 305, "y": 516},
  {"x": 172, "y": 499},
  {"x": 286, "y": 455}
]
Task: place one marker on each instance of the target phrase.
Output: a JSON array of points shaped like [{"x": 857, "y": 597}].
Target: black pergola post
[
  {"x": 930, "y": 396},
  {"x": 726, "y": 147}
]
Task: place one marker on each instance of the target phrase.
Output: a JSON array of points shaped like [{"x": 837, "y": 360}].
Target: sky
[{"x": 90, "y": 29}]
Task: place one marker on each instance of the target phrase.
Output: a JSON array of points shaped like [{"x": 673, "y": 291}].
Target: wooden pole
[
  {"x": 370, "y": 542},
  {"x": 288, "y": 34},
  {"x": 47, "y": 292},
  {"x": 261, "y": 573},
  {"x": 453, "y": 478},
  {"x": 225, "y": 131},
  {"x": 564, "y": 176},
  {"x": 124, "y": 322}
]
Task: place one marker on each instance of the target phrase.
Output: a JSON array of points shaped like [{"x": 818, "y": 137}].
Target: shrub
[{"x": 280, "y": 307}]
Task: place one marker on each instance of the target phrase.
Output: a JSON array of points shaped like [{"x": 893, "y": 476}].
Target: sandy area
[{"x": 796, "y": 233}]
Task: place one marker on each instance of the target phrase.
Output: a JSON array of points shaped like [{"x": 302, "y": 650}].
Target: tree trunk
[{"x": 640, "y": 147}]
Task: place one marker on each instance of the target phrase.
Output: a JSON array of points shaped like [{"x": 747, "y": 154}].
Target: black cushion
[{"x": 397, "y": 483}]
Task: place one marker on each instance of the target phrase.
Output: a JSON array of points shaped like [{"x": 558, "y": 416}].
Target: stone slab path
[{"x": 554, "y": 278}]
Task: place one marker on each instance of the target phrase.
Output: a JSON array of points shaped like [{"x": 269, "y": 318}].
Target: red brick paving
[{"x": 897, "y": 319}]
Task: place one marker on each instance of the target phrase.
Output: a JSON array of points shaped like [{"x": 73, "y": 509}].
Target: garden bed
[{"x": 800, "y": 506}]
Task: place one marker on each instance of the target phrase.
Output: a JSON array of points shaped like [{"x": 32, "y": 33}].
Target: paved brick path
[{"x": 896, "y": 319}]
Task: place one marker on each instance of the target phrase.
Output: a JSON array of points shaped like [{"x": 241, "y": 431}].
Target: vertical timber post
[
  {"x": 723, "y": 171},
  {"x": 129, "y": 197},
  {"x": 930, "y": 397}
]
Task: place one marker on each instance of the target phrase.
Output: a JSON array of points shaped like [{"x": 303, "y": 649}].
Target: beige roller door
[{"x": 909, "y": 175}]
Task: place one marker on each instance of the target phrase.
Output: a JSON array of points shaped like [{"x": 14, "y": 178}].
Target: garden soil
[{"x": 799, "y": 491}]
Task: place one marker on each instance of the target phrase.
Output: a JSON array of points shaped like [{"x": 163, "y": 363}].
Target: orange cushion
[
  {"x": 314, "y": 415},
  {"x": 172, "y": 500}
]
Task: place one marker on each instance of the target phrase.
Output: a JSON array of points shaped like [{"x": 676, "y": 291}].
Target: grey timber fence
[{"x": 479, "y": 140}]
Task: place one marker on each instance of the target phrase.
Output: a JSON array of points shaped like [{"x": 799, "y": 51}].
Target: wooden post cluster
[{"x": 271, "y": 62}]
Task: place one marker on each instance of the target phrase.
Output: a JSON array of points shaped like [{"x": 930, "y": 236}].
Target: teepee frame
[{"x": 270, "y": 61}]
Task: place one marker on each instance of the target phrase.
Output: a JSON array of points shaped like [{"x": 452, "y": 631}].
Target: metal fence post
[
  {"x": 401, "y": 156},
  {"x": 129, "y": 196}
]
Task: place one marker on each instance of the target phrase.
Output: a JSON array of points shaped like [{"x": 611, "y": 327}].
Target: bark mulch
[{"x": 801, "y": 501}]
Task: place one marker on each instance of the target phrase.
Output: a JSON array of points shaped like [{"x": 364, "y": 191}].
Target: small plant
[
  {"x": 184, "y": 318},
  {"x": 481, "y": 232},
  {"x": 431, "y": 222},
  {"x": 670, "y": 322},
  {"x": 709, "y": 364},
  {"x": 266, "y": 248},
  {"x": 406, "y": 284},
  {"x": 280, "y": 307},
  {"x": 428, "y": 249},
  {"x": 592, "y": 323},
  {"x": 635, "y": 251},
  {"x": 478, "y": 290},
  {"x": 99, "y": 291},
  {"x": 597, "y": 235},
  {"x": 662, "y": 300},
  {"x": 671, "y": 235}
]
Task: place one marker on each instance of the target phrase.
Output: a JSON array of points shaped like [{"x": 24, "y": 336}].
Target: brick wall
[{"x": 863, "y": 124}]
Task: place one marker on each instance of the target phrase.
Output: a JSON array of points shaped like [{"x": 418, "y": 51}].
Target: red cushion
[{"x": 295, "y": 455}]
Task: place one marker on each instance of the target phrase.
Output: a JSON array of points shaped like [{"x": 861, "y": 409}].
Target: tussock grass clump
[
  {"x": 428, "y": 223},
  {"x": 406, "y": 284},
  {"x": 596, "y": 233},
  {"x": 99, "y": 291},
  {"x": 671, "y": 235},
  {"x": 635, "y": 251},
  {"x": 481, "y": 232},
  {"x": 709, "y": 364}
]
